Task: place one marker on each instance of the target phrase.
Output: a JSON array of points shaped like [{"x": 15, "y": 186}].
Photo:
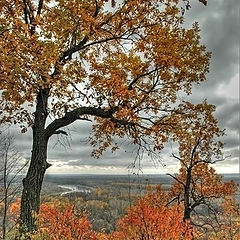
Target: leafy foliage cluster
[{"x": 124, "y": 66}]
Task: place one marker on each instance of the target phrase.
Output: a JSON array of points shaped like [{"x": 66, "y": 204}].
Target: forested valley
[{"x": 124, "y": 207}]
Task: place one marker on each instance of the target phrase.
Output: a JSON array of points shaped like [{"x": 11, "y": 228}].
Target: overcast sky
[{"x": 219, "y": 24}]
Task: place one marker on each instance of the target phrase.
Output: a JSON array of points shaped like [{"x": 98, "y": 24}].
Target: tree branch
[
  {"x": 28, "y": 10},
  {"x": 140, "y": 76},
  {"x": 74, "y": 115},
  {"x": 180, "y": 159},
  {"x": 96, "y": 9},
  {"x": 40, "y": 5},
  {"x": 73, "y": 49},
  {"x": 176, "y": 179},
  {"x": 174, "y": 199},
  {"x": 25, "y": 12},
  {"x": 60, "y": 132},
  {"x": 194, "y": 151},
  {"x": 197, "y": 203}
]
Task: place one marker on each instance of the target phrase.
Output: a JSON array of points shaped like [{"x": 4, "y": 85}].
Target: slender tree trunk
[
  {"x": 32, "y": 183},
  {"x": 4, "y": 222},
  {"x": 187, "y": 203},
  {"x": 4, "y": 216}
]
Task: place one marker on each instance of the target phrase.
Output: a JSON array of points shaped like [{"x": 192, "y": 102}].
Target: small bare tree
[{"x": 11, "y": 166}]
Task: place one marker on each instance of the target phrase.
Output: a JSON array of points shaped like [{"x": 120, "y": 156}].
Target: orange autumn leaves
[
  {"x": 63, "y": 223},
  {"x": 205, "y": 183},
  {"x": 153, "y": 222},
  {"x": 150, "y": 218},
  {"x": 58, "y": 221},
  {"x": 147, "y": 219},
  {"x": 132, "y": 62}
]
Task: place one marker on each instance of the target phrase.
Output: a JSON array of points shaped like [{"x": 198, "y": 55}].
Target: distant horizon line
[{"x": 125, "y": 174}]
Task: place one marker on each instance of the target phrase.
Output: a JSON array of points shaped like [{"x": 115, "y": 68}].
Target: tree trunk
[
  {"x": 4, "y": 222},
  {"x": 5, "y": 193},
  {"x": 187, "y": 203},
  {"x": 32, "y": 183}
]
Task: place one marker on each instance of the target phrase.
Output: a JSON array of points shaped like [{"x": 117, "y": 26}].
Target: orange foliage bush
[
  {"x": 64, "y": 224},
  {"x": 14, "y": 211},
  {"x": 58, "y": 221},
  {"x": 151, "y": 219}
]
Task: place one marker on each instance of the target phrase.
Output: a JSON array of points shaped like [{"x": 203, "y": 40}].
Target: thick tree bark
[{"x": 32, "y": 183}]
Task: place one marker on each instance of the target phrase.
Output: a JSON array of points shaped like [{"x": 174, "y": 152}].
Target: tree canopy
[{"x": 123, "y": 63}]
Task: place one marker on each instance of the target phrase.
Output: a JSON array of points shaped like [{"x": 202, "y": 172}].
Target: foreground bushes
[{"x": 151, "y": 218}]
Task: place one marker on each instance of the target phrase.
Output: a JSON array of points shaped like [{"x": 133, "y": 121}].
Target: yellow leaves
[
  {"x": 133, "y": 59},
  {"x": 197, "y": 128},
  {"x": 126, "y": 114},
  {"x": 230, "y": 207},
  {"x": 205, "y": 182}
]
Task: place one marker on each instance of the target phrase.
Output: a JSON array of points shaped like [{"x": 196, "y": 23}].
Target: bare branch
[
  {"x": 175, "y": 156},
  {"x": 85, "y": 119},
  {"x": 28, "y": 11},
  {"x": 180, "y": 159},
  {"x": 25, "y": 11},
  {"x": 173, "y": 200},
  {"x": 40, "y": 5},
  {"x": 194, "y": 150},
  {"x": 140, "y": 76},
  {"x": 96, "y": 9},
  {"x": 60, "y": 132},
  {"x": 197, "y": 202},
  {"x": 73, "y": 49},
  {"x": 176, "y": 179}
]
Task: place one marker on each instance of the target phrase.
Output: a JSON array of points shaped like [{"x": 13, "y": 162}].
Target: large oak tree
[{"x": 121, "y": 65}]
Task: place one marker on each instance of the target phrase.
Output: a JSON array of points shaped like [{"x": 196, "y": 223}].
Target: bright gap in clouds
[{"x": 230, "y": 89}]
